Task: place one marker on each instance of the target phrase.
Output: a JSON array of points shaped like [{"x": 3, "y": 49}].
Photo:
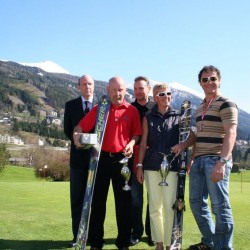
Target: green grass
[
  {"x": 18, "y": 174},
  {"x": 36, "y": 215}
]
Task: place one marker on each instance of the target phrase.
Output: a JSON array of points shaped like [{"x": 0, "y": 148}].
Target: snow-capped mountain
[
  {"x": 47, "y": 66},
  {"x": 52, "y": 67},
  {"x": 50, "y": 80},
  {"x": 177, "y": 87}
]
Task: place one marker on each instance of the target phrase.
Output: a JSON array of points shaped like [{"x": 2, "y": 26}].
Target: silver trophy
[
  {"x": 125, "y": 172},
  {"x": 164, "y": 170}
]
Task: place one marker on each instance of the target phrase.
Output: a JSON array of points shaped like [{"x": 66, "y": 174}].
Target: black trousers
[
  {"x": 137, "y": 227},
  {"x": 109, "y": 168}
]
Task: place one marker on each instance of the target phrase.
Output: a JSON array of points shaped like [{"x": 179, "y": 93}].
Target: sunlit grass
[{"x": 35, "y": 214}]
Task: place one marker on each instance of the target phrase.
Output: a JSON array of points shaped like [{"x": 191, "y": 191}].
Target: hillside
[
  {"x": 25, "y": 87},
  {"x": 31, "y": 94}
]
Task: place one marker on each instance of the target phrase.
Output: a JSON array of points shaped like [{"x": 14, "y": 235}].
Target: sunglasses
[
  {"x": 164, "y": 94},
  {"x": 206, "y": 79}
]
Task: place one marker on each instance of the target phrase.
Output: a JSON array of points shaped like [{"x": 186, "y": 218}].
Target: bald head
[
  {"x": 86, "y": 86},
  {"x": 116, "y": 90}
]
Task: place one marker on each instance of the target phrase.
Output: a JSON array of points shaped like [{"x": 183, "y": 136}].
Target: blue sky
[{"x": 165, "y": 40}]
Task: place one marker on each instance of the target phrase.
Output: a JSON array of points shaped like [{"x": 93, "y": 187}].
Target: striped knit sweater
[{"x": 210, "y": 131}]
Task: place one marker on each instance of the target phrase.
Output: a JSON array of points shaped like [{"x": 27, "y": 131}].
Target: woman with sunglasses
[{"x": 160, "y": 133}]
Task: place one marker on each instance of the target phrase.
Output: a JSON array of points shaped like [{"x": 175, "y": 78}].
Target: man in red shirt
[{"x": 122, "y": 132}]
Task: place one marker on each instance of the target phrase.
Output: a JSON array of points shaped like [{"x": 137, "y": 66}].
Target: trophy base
[
  {"x": 126, "y": 188},
  {"x": 163, "y": 184}
]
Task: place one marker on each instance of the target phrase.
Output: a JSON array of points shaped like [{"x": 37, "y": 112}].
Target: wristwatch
[
  {"x": 139, "y": 165},
  {"x": 223, "y": 159}
]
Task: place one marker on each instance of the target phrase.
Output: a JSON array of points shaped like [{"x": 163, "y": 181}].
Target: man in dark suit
[{"x": 75, "y": 110}]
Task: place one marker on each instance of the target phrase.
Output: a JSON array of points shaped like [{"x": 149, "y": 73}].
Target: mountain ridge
[
  {"x": 48, "y": 66},
  {"x": 32, "y": 88}
]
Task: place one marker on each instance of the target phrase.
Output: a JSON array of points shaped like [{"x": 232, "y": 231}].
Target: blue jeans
[{"x": 218, "y": 235}]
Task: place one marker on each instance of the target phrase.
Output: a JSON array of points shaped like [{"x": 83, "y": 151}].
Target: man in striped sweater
[{"x": 216, "y": 123}]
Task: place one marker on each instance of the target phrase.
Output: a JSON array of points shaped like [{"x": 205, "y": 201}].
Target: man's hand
[
  {"x": 76, "y": 137},
  {"x": 218, "y": 172},
  {"x": 128, "y": 150},
  {"x": 177, "y": 149}
]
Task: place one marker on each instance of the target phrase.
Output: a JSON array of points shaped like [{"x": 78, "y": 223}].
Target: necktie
[{"x": 86, "y": 109}]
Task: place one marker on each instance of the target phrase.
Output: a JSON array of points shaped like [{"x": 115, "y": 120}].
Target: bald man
[
  {"x": 123, "y": 130},
  {"x": 75, "y": 110}
]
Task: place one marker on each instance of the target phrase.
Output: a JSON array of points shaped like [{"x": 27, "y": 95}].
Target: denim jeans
[{"x": 219, "y": 234}]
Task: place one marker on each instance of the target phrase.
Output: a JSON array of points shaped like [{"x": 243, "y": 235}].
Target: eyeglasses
[
  {"x": 206, "y": 79},
  {"x": 164, "y": 94}
]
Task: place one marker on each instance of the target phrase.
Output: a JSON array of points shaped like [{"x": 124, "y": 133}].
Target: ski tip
[
  {"x": 104, "y": 97},
  {"x": 104, "y": 100},
  {"x": 185, "y": 107},
  {"x": 186, "y": 103}
]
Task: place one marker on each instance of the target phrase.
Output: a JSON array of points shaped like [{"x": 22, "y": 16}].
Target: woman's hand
[{"x": 139, "y": 175}]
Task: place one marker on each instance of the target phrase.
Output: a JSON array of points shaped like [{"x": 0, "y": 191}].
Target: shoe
[
  {"x": 199, "y": 246},
  {"x": 95, "y": 248},
  {"x": 159, "y": 246},
  {"x": 72, "y": 244},
  {"x": 150, "y": 242},
  {"x": 133, "y": 242}
]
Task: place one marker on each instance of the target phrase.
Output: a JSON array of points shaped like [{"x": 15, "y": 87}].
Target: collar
[
  {"x": 169, "y": 112},
  {"x": 89, "y": 100},
  {"x": 124, "y": 104},
  {"x": 149, "y": 104},
  {"x": 216, "y": 98}
]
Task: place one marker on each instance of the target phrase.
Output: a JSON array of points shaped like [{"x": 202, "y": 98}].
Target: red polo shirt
[{"x": 123, "y": 123}]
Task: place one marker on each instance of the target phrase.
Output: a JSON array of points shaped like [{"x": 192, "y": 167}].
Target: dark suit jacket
[{"x": 72, "y": 115}]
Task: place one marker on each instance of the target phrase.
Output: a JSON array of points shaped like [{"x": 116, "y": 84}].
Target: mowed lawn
[{"x": 35, "y": 214}]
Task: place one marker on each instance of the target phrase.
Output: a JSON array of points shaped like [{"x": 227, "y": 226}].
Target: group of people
[{"x": 144, "y": 131}]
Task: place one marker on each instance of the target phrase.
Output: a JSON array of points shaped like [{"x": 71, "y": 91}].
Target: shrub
[
  {"x": 4, "y": 156},
  {"x": 56, "y": 162}
]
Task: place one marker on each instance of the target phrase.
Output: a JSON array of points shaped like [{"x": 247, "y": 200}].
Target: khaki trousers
[{"x": 161, "y": 200}]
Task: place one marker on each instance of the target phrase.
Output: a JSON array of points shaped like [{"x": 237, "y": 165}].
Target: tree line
[{"x": 41, "y": 129}]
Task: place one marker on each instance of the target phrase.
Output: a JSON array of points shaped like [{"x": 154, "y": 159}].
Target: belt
[
  {"x": 200, "y": 156},
  {"x": 113, "y": 155}
]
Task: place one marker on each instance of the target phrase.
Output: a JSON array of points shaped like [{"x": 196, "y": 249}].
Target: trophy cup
[
  {"x": 125, "y": 172},
  {"x": 164, "y": 170}
]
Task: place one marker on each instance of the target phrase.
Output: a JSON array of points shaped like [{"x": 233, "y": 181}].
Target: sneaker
[
  {"x": 133, "y": 241},
  {"x": 199, "y": 246},
  {"x": 72, "y": 244}
]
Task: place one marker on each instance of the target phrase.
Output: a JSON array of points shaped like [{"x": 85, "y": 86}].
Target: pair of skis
[
  {"x": 179, "y": 205},
  {"x": 101, "y": 120}
]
